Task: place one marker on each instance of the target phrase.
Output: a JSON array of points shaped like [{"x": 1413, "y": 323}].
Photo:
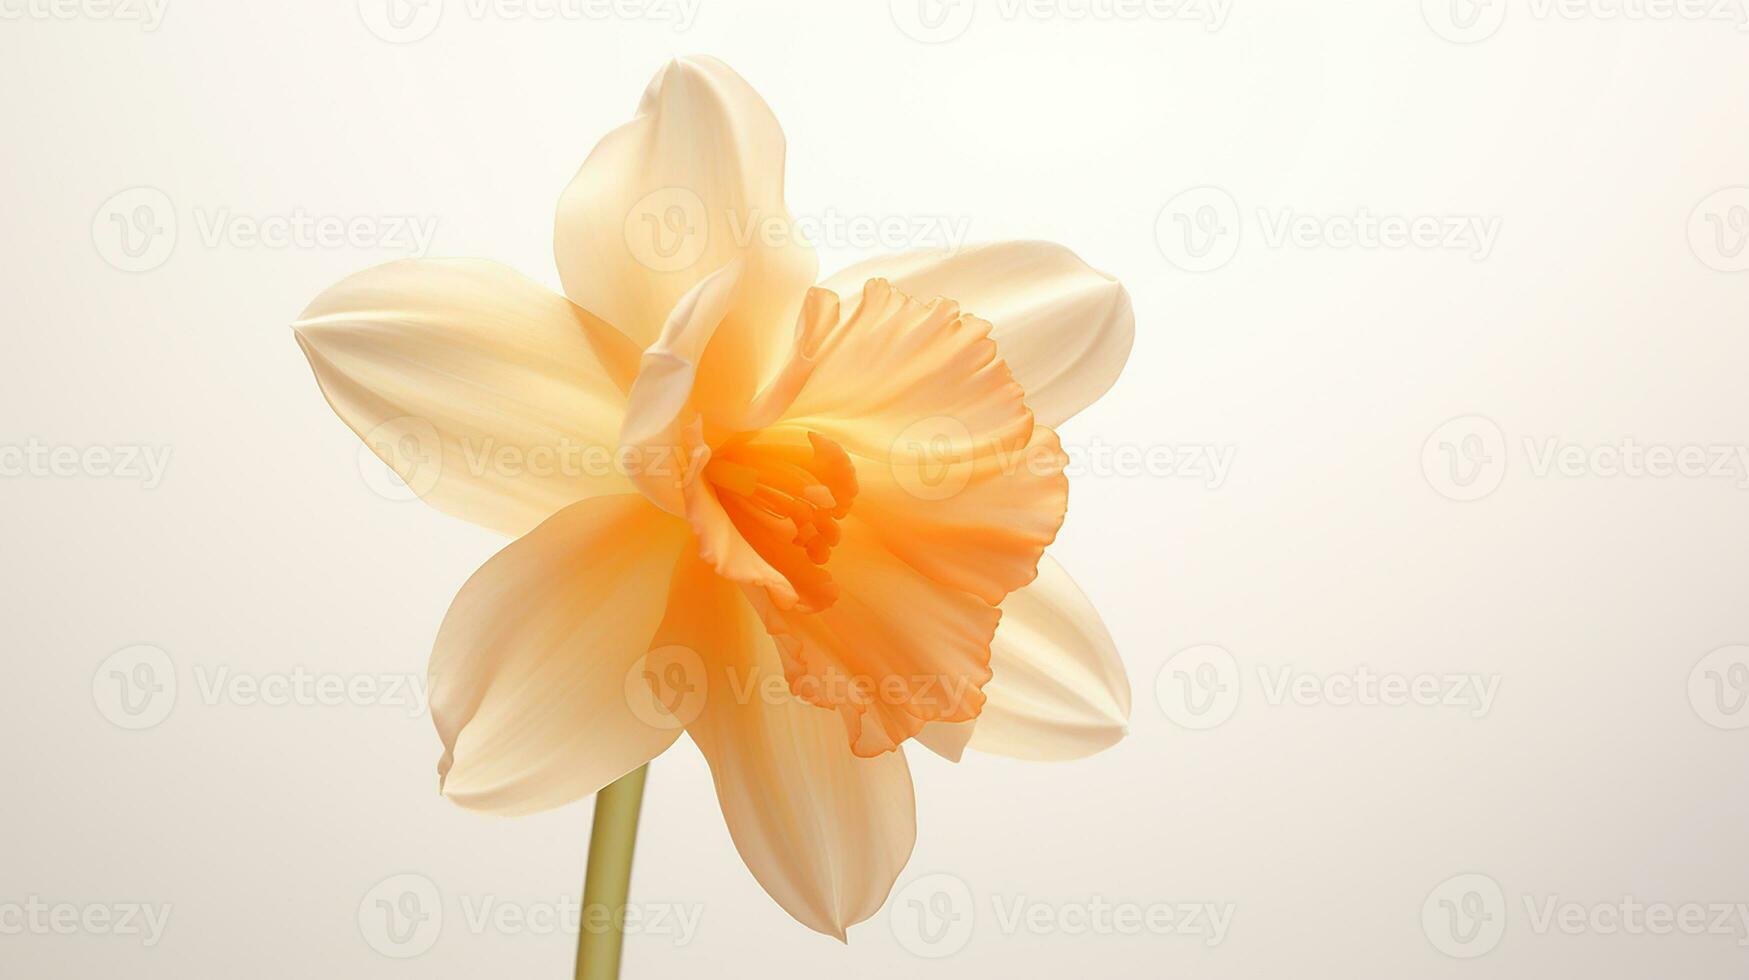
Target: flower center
[{"x": 785, "y": 489}]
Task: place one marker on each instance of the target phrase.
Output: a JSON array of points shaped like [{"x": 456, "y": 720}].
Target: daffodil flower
[{"x": 823, "y": 533}]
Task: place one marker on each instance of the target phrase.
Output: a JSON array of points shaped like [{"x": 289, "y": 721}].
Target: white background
[{"x": 1333, "y": 544}]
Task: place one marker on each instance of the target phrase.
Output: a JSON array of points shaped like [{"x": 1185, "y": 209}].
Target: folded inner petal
[{"x": 664, "y": 398}]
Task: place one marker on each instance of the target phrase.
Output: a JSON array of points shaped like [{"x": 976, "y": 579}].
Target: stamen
[{"x": 786, "y": 490}]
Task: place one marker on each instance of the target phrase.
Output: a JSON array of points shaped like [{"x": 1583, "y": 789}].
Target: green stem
[{"x": 609, "y": 877}]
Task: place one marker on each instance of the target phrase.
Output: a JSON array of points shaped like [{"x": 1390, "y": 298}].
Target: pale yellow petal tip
[
  {"x": 700, "y": 68},
  {"x": 444, "y": 765}
]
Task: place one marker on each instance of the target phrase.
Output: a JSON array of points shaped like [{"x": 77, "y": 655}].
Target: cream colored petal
[
  {"x": 824, "y": 832},
  {"x": 496, "y": 400},
  {"x": 1064, "y": 328},
  {"x": 948, "y": 739},
  {"x": 658, "y": 407},
  {"x": 529, "y": 671},
  {"x": 693, "y": 181},
  {"x": 1059, "y": 690}
]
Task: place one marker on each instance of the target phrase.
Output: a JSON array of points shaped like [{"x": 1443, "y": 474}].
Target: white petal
[
  {"x": 1064, "y": 328},
  {"x": 1059, "y": 690}
]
